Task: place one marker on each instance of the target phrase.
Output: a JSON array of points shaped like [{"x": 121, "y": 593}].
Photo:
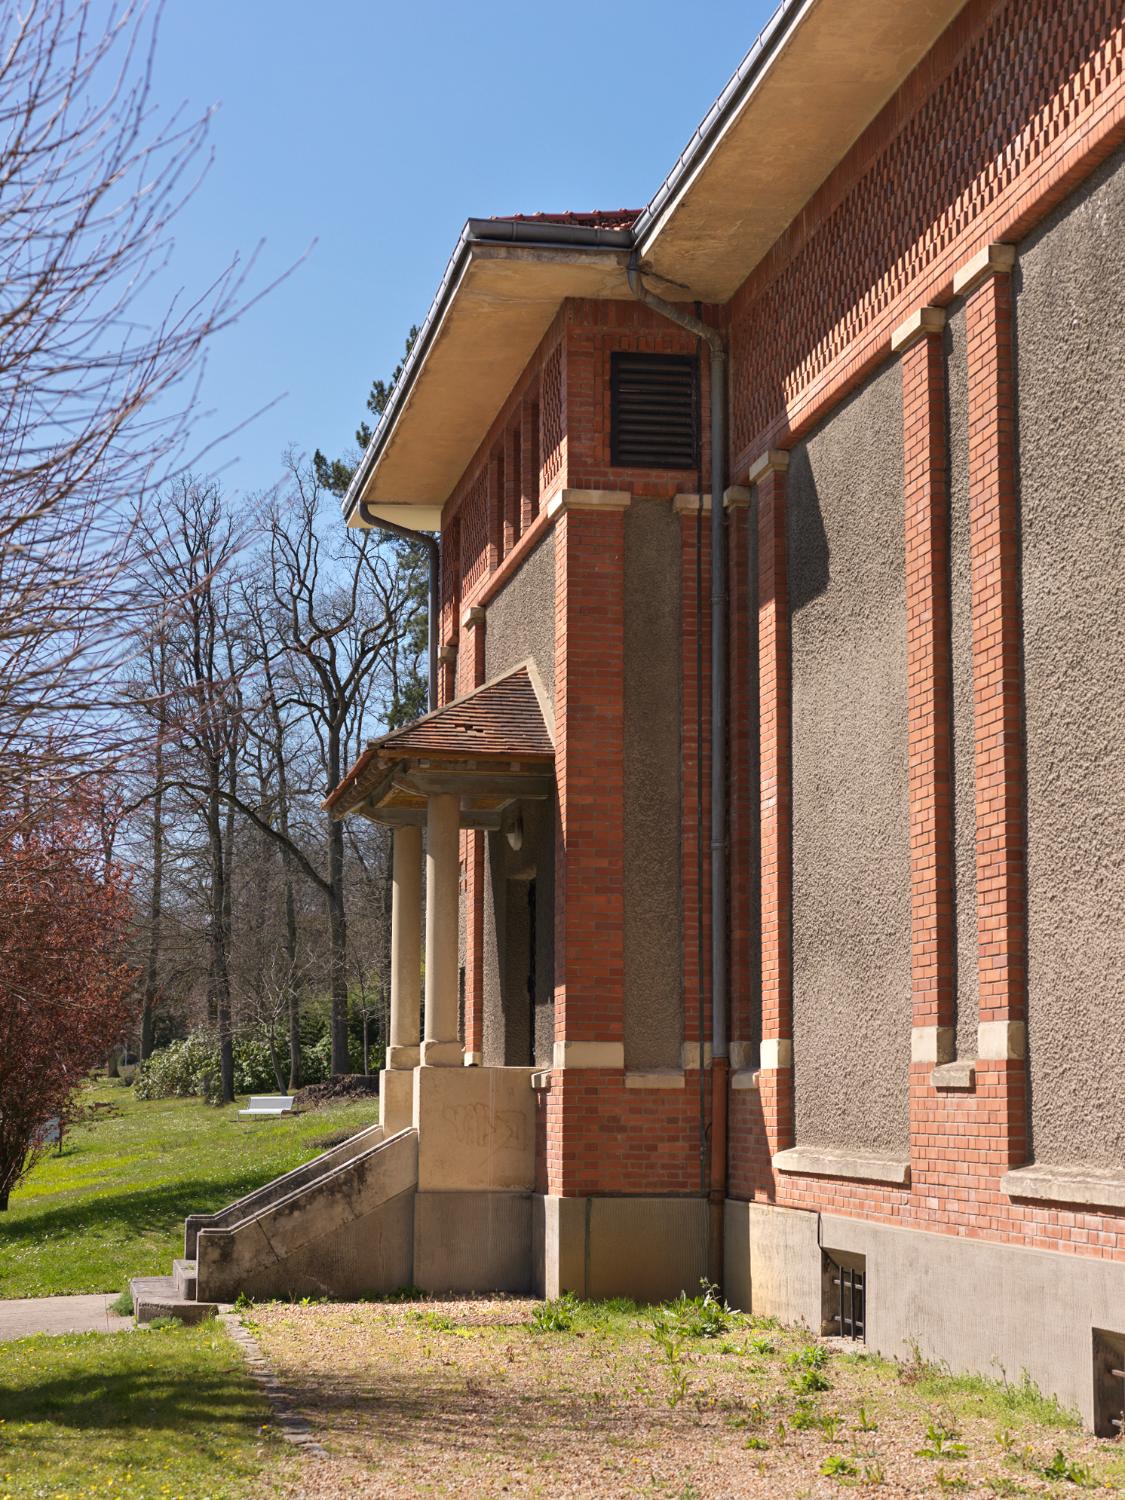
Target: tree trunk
[
  {"x": 271, "y": 1042},
  {"x": 338, "y": 921},
  {"x": 219, "y": 987},
  {"x": 152, "y": 965}
]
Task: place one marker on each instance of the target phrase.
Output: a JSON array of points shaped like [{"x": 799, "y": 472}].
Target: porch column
[
  {"x": 406, "y": 946},
  {"x": 441, "y": 1045}
]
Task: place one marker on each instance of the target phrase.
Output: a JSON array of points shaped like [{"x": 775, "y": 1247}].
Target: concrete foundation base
[
  {"x": 473, "y": 1242},
  {"x": 978, "y": 1307},
  {"x": 646, "y": 1248}
]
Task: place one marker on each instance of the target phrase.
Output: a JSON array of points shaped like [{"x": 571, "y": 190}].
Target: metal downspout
[
  {"x": 422, "y": 538},
  {"x": 720, "y": 864}
]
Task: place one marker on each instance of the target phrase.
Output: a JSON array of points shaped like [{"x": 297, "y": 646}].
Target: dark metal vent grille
[
  {"x": 850, "y": 1316},
  {"x": 653, "y": 411}
]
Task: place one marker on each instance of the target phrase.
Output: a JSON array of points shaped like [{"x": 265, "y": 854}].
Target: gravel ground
[{"x": 465, "y": 1397}]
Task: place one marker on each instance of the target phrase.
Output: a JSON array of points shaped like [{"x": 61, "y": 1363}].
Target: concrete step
[
  {"x": 159, "y": 1297},
  {"x": 183, "y": 1274}
]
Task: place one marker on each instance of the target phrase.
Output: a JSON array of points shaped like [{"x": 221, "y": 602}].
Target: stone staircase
[{"x": 301, "y": 1194}]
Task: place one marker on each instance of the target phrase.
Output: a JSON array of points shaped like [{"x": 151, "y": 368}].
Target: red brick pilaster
[
  {"x": 997, "y": 695},
  {"x": 928, "y": 674},
  {"x": 589, "y": 902},
  {"x": 933, "y": 1124},
  {"x": 775, "y": 1078}
]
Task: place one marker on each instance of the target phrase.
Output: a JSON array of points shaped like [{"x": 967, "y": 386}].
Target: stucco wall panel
[
  {"x": 851, "y": 866},
  {"x": 1070, "y": 312},
  {"x": 651, "y": 856},
  {"x": 521, "y": 619},
  {"x": 961, "y": 634}
]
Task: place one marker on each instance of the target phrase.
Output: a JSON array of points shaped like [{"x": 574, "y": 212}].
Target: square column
[
  {"x": 441, "y": 1046},
  {"x": 406, "y": 947}
]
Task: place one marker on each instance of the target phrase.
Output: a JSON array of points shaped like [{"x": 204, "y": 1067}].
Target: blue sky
[{"x": 375, "y": 130}]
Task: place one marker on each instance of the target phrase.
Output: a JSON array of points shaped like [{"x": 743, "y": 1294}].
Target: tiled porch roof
[{"x": 503, "y": 722}]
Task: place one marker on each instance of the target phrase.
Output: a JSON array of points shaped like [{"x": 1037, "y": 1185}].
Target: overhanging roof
[
  {"x": 815, "y": 78},
  {"x": 808, "y": 88}
]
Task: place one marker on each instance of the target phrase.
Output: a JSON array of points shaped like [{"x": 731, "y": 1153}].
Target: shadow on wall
[{"x": 808, "y": 539}]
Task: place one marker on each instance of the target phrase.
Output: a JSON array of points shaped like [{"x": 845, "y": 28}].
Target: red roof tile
[
  {"x": 501, "y": 721},
  {"x": 598, "y": 218}
]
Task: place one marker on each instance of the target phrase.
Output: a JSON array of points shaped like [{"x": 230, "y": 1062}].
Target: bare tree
[
  {"x": 190, "y": 546},
  {"x": 95, "y": 398}
]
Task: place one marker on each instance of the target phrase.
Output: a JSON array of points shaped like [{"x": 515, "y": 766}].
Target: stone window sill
[
  {"x": 744, "y": 1078},
  {"x": 655, "y": 1078},
  {"x": 824, "y": 1162},
  {"x": 1084, "y": 1185},
  {"x": 541, "y": 1081},
  {"x": 954, "y": 1075}
]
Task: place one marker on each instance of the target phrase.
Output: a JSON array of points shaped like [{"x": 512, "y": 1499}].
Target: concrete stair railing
[
  {"x": 246, "y": 1207},
  {"x": 346, "y": 1231}
]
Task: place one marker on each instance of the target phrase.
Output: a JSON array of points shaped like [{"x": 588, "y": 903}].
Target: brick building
[{"x": 776, "y": 793}]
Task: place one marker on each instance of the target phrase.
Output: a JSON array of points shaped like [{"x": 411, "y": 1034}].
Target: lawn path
[{"x": 30, "y": 1315}]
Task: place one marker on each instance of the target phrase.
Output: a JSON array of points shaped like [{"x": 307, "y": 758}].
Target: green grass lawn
[
  {"x": 113, "y": 1204},
  {"x": 148, "y": 1414}
]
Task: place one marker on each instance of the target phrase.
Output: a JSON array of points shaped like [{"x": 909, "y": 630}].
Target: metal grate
[
  {"x": 850, "y": 1317},
  {"x": 653, "y": 411}
]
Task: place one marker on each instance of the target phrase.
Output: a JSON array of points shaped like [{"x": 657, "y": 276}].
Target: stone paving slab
[{"x": 21, "y": 1318}]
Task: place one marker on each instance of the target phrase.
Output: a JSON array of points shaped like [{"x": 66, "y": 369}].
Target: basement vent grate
[
  {"x": 653, "y": 411},
  {"x": 845, "y": 1298},
  {"x": 1109, "y": 1383}
]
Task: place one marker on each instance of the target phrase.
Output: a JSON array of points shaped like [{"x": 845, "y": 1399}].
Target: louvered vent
[{"x": 653, "y": 420}]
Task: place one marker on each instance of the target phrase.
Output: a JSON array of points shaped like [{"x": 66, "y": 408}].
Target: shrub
[{"x": 181, "y": 1070}]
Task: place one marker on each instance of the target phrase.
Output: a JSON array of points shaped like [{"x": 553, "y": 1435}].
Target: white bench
[{"x": 267, "y": 1104}]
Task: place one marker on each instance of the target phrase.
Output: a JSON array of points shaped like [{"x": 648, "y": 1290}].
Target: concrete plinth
[
  {"x": 974, "y": 1305},
  {"x": 396, "y": 1099},
  {"x": 646, "y": 1248},
  {"x": 476, "y": 1129}
]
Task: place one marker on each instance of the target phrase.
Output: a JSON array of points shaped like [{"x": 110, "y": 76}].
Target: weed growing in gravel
[
  {"x": 1062, "y": 1467},
  {"x": 759, "y": 1445},
  {"x": 762, "y": 1345},
  {"x": 670, "y": 1342},
  {"x": 808, "y": 1357},
  {"x": 865, "y": 1424},
  {"x": 703, "y": 1317},
  {"x": 942, "y": 1442},
  {"x": 556, "y": 1316},
  {"x": 804, "y": 1416},
  {"x": 809, "y": 1381},
  {"x": 950, "y": 1481},
  {"x": 830, "y": 1424},
  {"x": 839, "y": 1466},
  {"x": 436, "y": 1321},
  {"x": 122, "y": 1304}
]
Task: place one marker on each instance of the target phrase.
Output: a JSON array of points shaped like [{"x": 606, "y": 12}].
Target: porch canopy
[
  {"x": 466, "y": 765},
  {"x": 489, "y": 749}
]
